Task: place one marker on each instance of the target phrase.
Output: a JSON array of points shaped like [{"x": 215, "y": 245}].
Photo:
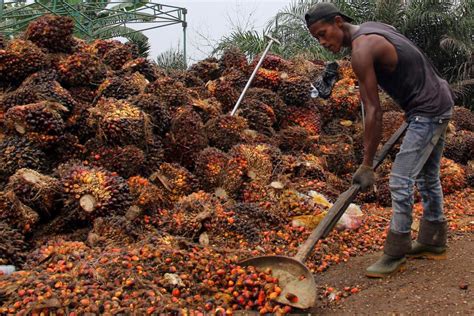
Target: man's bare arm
[{"x": 363, "y": 65}]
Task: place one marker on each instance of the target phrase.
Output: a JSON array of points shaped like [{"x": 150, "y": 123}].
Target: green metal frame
[{"x": 95, "y": 18}]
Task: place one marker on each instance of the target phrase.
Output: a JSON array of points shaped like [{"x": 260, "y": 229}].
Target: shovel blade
[{"x": 294, "y": 279}]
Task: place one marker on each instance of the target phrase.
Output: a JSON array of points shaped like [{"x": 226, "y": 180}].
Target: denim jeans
[{"x": 418, "y": 161}]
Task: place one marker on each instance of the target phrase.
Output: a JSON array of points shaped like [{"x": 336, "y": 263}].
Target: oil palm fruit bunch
[
  {"x": 294, "y": 139},
  {"x": 81, "y": 69},
  {"x": 266, "y": 78},
  {"x": 145, "y": 194},
  {"x": 100, "y": 47},
  {"x": 40, "y": 86},
  {"x": 18, "y": 152},
  {"x": 117, "y": 57},
  {"x": 233, "y": 57},
  {"x": 303, "y": 67},
  {"x": 193, "y": 214},
  {"x": 308, "y": 118},
  {"x": 344, "y": 100},
  {"x": 20, "y": 59},
  {"x": 220, "y": 173},
  {"x": 452, "y": 176},
  {"x": 91, "y": 192},
  {"x": 460, "y": 146},
  {"x": 187, "y": 78},
  {"x": 211, "y": 166},
  {"x": 175, "y": 181},
  {"x": 119, "y": 122},
  {"x": 52, "y": 32},
  {"x": 35, "y": 190},
  {"x": 259, "y": 115},
  {"x": 2, "y": 41},
  {"x": 159, "y": 113},
  {"x": 259, "y": 165},
  {"x": 272, "y": 62},
  {"x": 122, "y": 86},
  {"x": 269, "y": 97},
  {"x": 224, "y": 92},
  {"x": 236, "y": 77},
  {"x": 339, "y": 153},
  {"x": 207, "y": 108},
  {"x": 295, "y": 90},
  {"x": 206, "y": 69},
  {"x": 20, "y": 96},
  {"x": 126, "y": 161},
  {"x": 16, "y": 214},
  {"x": 13, "y": 247},
  {"x": 225, "y": 131},
  {"x": 186, "y": 138},
  {"x": 41, "y": 121},
  {"x": 142, "y": 65},
  {"x": 463, "y": 118},
  {"x": 170, "y": 92}
]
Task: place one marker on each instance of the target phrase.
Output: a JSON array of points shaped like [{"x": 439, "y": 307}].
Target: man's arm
[{"x": 363, "y": 65}]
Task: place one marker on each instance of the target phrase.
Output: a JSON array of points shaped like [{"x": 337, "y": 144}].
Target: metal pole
[
  {"x": 253, "y": 75},
  {"x": 185, "y": 24}
]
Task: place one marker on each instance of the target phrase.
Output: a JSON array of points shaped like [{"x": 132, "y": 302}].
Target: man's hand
[{"x": 365, "y": 177}]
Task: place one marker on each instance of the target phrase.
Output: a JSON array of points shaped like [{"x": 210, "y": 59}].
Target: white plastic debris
[
  {"x": 351, "y": 219},
  {"x": 7, "y": 269}
]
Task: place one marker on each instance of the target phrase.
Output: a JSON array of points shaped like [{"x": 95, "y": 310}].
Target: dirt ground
[{"x": 426, "y": 287}]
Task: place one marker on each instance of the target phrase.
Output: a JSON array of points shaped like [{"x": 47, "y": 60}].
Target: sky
[{"x": 208, "y": 21}]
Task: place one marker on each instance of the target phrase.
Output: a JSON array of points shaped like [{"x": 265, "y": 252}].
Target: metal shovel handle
[
  {"x": 252, "y": 76},
  {"x": 343, "y": 201}
]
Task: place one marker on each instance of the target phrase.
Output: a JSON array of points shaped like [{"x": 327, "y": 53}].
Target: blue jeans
[{"x": 418, "y": 161}]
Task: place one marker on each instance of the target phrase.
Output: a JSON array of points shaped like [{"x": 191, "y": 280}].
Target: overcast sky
[{"x": 208, "y": 21}]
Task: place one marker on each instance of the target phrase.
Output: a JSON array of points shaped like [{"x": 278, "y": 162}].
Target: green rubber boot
[
  {"x": 431, "y": 241},
  {"x": 393, "y": 259}
]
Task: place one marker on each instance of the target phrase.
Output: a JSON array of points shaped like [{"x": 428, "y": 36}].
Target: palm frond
[{"x": 172, "y": 59}]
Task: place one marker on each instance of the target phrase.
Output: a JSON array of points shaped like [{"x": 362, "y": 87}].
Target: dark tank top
[{"x": 415, "y": 84}]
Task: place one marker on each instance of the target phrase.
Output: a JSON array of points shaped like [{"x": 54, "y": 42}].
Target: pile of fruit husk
[{"x": 125, "y": 188}]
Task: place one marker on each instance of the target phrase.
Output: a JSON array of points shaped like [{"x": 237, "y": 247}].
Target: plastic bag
[
  {"x": 351, "y": 219},
  {"x": 325, "y": 83}
]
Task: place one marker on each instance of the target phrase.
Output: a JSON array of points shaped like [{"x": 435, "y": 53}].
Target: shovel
[{"x": 295, "y": 279}]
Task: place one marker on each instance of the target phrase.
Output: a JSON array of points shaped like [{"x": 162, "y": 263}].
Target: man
[{"x": 381, "y": 56}]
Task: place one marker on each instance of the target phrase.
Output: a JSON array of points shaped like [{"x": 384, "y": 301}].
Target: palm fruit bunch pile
[{"x": 115, "y": 169}]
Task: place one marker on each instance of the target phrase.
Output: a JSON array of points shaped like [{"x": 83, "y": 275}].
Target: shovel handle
[
  {"x": 252, "y": 76},
  {"x": 343, "y": 201}
]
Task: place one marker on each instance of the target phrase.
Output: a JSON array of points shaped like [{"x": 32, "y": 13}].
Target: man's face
[{"x": 329, "y": 35}]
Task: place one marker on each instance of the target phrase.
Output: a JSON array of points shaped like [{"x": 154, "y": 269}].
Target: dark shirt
[{"x": 415, "y": 84}]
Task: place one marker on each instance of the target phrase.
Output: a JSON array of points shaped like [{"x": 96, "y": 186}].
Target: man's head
[{"x": 325, "y": 22}]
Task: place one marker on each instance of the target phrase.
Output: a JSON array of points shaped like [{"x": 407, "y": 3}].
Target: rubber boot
[
  {"x": 431, "y": 241},
  {"x": 393, "y": 259}
]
